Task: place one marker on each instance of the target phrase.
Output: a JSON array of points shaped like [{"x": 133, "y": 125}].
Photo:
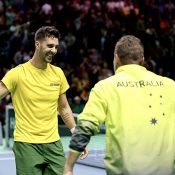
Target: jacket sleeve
[{"x": 90, "y": 120}]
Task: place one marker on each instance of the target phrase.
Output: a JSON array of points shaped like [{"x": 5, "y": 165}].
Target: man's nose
[{"x": 54, "y": 50}]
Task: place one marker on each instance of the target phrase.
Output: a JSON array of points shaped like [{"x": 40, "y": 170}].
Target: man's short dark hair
[
  {"x": 129, "y": 48},
  {"x": 47, "y": 31}
]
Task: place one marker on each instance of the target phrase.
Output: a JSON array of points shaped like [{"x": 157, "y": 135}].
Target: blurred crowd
[{"x": 89, "y": 30}]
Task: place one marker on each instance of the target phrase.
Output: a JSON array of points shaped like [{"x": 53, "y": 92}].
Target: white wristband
[{"x": 72, "y": 130}]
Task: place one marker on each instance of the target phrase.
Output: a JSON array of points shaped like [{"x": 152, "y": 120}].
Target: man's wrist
[{"x": 72, "y": 130}]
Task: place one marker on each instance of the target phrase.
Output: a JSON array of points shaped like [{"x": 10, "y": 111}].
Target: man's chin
[{"x": 49, "y": 60}]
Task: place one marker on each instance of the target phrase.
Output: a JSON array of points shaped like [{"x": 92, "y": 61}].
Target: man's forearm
[
  {"x": 65, "y": 111},
  {"x": 67, "y": 116},
  {"x": 81, "y": 137},
  {"x": 71, "y": 159},
  {"x": 68, "y": 120}
]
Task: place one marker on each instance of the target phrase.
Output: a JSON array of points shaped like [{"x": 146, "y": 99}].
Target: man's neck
[{"x": 37, "y": 63}]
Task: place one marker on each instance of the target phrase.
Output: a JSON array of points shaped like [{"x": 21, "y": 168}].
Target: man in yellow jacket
[{"x": 138, "y": 108}]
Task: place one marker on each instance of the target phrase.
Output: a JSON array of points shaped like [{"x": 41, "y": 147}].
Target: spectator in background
[
  {"x": 22, "y": 56},
  {"x": 10, "y": 15},
  {"x": 46, "y": 8},
  {"x": 138, "y": 108},
  {"x": 77, "y": 105}
]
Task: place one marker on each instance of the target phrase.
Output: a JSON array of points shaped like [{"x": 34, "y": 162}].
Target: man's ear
[
  {"x": 37, "y": 44},
  {"x": 116, "y": 62},
  {"x": 143, "y": 59},
  {"x": 117, "y": 59}
]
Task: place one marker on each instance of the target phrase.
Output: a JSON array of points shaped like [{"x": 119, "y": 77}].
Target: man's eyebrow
[{"x": 56, "y": 45}]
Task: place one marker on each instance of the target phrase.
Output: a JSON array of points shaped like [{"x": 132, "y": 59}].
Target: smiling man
[{"x": 38, "y": 91}]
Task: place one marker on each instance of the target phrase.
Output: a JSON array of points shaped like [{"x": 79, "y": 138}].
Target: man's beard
[{"x": 49, "y": 56}]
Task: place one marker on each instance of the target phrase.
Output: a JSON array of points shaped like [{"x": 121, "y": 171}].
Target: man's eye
[{"x": 50, "y": 46}]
